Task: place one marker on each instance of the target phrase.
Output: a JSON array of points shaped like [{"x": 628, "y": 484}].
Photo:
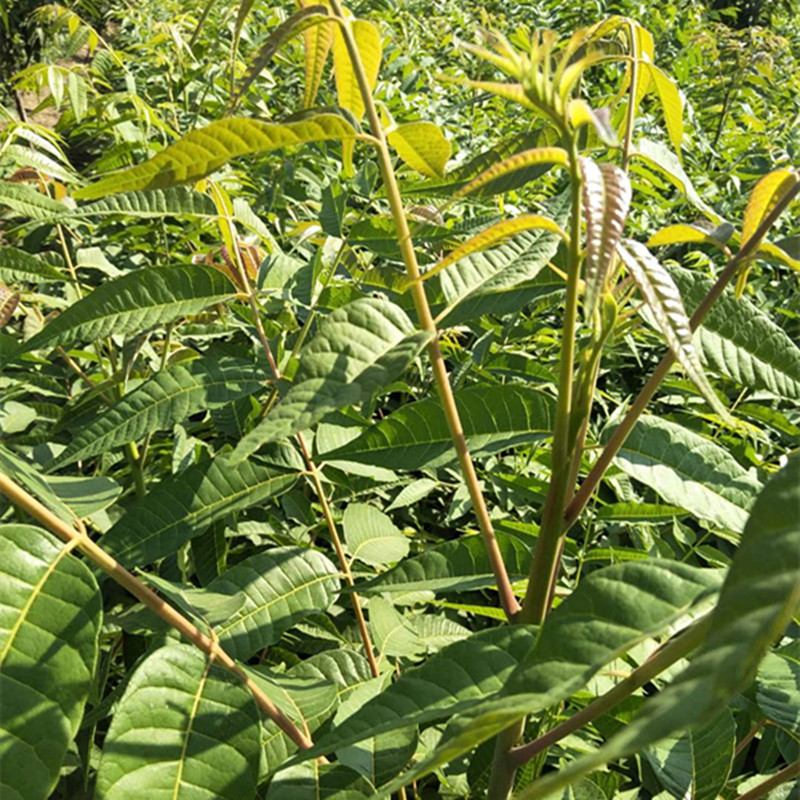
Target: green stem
[
  {"x": 507, "y": 598},
  {"x": 548, "y": 545}
]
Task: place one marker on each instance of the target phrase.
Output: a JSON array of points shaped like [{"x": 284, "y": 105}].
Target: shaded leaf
[{"x": 17, "y": 265}]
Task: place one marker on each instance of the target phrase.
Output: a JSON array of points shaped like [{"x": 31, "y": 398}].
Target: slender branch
[
  {"x": 663, "y": 658},
  {"x": 507, "y": 597},
  {"x": 749, "y": 736},
  {"x": 786, "y": 774},
  {"x": 21, "y": 499},
  {"x": 244, "y": 278},
  {"x": 746, "y": 251}
]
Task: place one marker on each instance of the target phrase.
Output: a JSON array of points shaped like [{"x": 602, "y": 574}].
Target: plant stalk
[
  {"x": 508, "y": 600},
  {"x": 21, "y": 499},
  {"x": 746, "y": 251},
  {"x": 786, "y": 774}
]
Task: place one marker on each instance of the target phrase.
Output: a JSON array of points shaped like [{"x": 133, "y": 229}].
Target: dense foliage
[{"x": 399, "y": 400}]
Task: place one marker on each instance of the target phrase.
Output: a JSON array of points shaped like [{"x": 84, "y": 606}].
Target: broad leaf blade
[
  {"x": 205, "y": 150},
  {"x": 423, "y": 146},
  {"x": 368, "y": 43},
  {"x": 416, "y": 435},
  {"x": 178, "y": 201},
  {"x": 17, "y": 265},
  {"x": 281, "y": 587},
  {"x": 50, "y": 617},
  {"x": 689, "y": 471},
  {"x": 184, "y": 505},
  {"x": 757, "y": 601},
  {"x": 358, "y": 349},
  {"x": 450, "y": 681},
  {"x": 184, "y": 728},
  {"x": 371, "y": 536},
  {"x": 134, "y": 302},
  {"x": 170, "y": 396},
  {"x": 664, "y": 299}
]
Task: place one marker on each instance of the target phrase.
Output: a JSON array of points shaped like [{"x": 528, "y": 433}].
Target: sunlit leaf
[
  {"x": 368, "y": 42},
  {"x": 423, "y": 146}
]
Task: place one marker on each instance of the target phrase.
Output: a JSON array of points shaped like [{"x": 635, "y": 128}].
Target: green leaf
[
  {"x": 29, "y": 202},
  {"x": 371, "y": 536},
  {"x": 17, "y": 265},
  {"x": 184, "y": 505},
  {"x": 606, "y": 200},
  {"x": 663, "y": 298},
  {"x": 451, "y": 681},
  {"x": 778, "y": 687},
  {"x": 84, "y": 496},
  {"x": 494, "y": 418},
  {"x": 478, "y": 283},
  {"x": 368, "y": 43},
  {"x": 50, "y": 618},
  {"x": 317, "y": 42},
  {"x": 458, "y": 566},
  {"x": 205, "y": 150},
  {"x": 423, "y": 146},
  {"x": 697, "y": 764},
  {"x": 183, "y": 729},
  {"x": 135, "y": 302},
  {"x": 689, "y": 471},
  {"x": 757, "y": 601},
  {"x": 359, "y": 348},
  {"x": 739, "y": 340},
  {"x": 312, "y": 781},
  {"x": 281, "y": 587},
  {"x": 611, "y": 610},
  {"x": 178, "y": 201},
  {"x": 393, "y": 634},
  {"x": 170, "y": 396}
]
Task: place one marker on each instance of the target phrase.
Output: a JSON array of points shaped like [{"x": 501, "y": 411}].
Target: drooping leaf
[
  {"x": 368, "y": 43},
  {"x": 281, "y": 586},
  {"x": 739, "y": 340},
  {"x": 305, "y": 18},
  {"x": 689, "y": 471},
  {"x": 698, "y": 763},
  {"x": 205, "y": 150},
  {"x": 519, "y": 161},
  {"x": 493, "y": 235},
  {"x": 317, "y": 41},
  {"x": 358, "y": 348},
  {"x": 609, "y": 612},
  {"x": 416, "y": 435},
  {"x": 778, "y": 687},
  {"x": 683, "y": 234},
  {"x": 479, "y": 283},
  {"x": 606, "y": 200},
  {"x": 766, "y": 194},
  {"x": 170, "y": 396},
  {"x": 50, "y": 618},
  {"x": 663, "y": 298},
  {"x": 17, "y": 265},
  {"x": 671, "y": 104},
  {"x": 458, "y": 566},
  {"x": 184, "y": 728},
  {"x": 184, "y": 505},
  {"x": 135, "y": 302},
  {"x": 371, "y": 536},
  {"x": 423, "y": 146},
  {"x": 452, "y": 680},
  {"x": 757, "y": 601}
]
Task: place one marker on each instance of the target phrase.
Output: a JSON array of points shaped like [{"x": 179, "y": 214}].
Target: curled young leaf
[
  {"x": 606, "y": 199},
  {"x": 663, "y": 298}
]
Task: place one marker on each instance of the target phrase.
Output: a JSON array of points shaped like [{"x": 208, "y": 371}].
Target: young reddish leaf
[{"x": 606, "y": 199}]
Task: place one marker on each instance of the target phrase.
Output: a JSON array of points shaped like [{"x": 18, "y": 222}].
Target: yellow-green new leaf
[
  {"x": 671, "y": 104},
  {"x": 205, "y": 150},
  {"x": 527, "y": 158},
  {"x": 683, "y": 234},
  {"x": 368, "y": 41},
  {"x": 767, "y": 192},
  {"x": 317, "y": 42},
  {"x": 495, "y": 234},
  {"x": 423, "y": 146}
]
